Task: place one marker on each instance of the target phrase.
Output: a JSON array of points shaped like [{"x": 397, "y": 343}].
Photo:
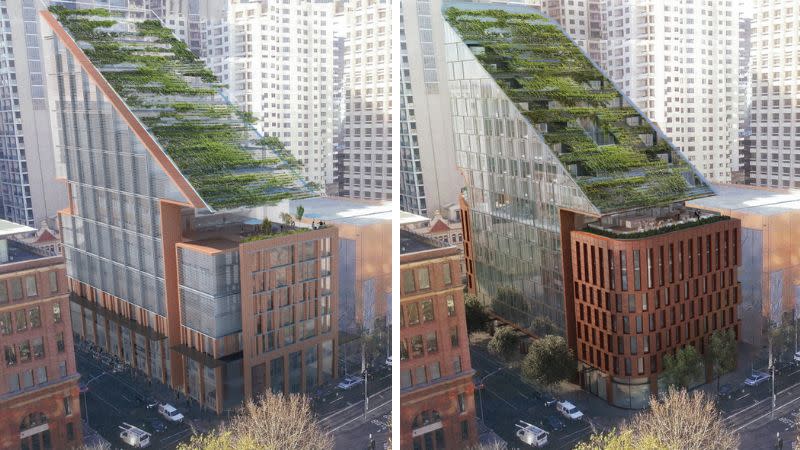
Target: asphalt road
[
  {"x": 508, "y": 399},
  {"x": 346, "y": 420}
]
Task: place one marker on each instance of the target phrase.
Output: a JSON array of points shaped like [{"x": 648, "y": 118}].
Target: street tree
[
  {"x": 684, "y": 367},
  {"x": 684, "y": 420},
  {"x": 549, "y": 361},
  {"x": 273, "y": 421},
  {"x": 475, "y": 313},
  {"x": 623, "y": 439},
  {"x": 723, "y": 352},
  {"x": 503, "y": 342}
]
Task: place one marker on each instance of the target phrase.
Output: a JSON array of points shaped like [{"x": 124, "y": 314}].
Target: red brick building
[
  {"x": 39, "y": 404},
  {"x": 639, "y": 298},
  {"x": 436, "y": 391}
]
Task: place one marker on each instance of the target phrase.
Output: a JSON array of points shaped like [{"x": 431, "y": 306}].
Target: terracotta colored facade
[
  {"x": 437, "y": 393},
  {"x": 39, "y": 403},
  {"x": 637, "y": 300}
]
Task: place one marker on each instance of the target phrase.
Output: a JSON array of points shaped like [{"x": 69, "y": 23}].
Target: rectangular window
[
  {"x": 413, "y": 313},
  {"x": 423, "y": 278},
  {"x": 30, "y": 285},
  {"x": 637, "y": 282},
  {"x": 67, "y": 406},
  {"x": 10, "y": 355},
  {"x": 631, "y": 303},
  {"x": 70, "y": 431},
  {"x": 611, "y": 279},
  {"x": 405, "y": 379},
  {"x": 427, "y": 311},
  {"x": 432, "y": 343},
  {"x": 417, "y": 346},
  {"x": 434, "y": 371},
  {"x": 53, "y": 281},
  {"x": 623, "y": 269},
  {"x": 38, "y": 348},
  {"x": 12, "y": 382},
  {"x": 27, "y": 379},
  {"x": 24, "y": 351},
  {"x": 21, "y": 319},
  {"x": 650, "y": 268},
  {"x": 451, "y": 306},
  {"x": 57, "y": 312},
  {"x": 35, "y": 317},
  {"x": 408, "y": 281},
  {"x": 41, "y": 375},
  {"x": 419, "y": 375},
  {"x": 464, "y": 430},
  {"x": 454, "y": 336},
  {"x": 60, "y": 342},
  {"x": 3, "y": 292},
  {"x": 62, "y": 369},
  {"x": 457, "y": 364},
  {"x": 639, "y": 324},
  {"x": 446, "y": 276},
  {"x": 16, "y": 288},
  {"x": 634, "y": 345},
  {"x": 462, "y": 403},
  {"x": 5, "y": 323}
]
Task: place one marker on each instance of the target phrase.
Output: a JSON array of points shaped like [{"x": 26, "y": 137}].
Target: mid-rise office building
[
  {"x": 775, "y": 84},
  {"x": 436, "y": 390},
  {"x": 365, "y": 144},
  {"x": 555, "y": 158},
  {"x": 39, "y": 404},
  {"x": 177, "y": 258},
  {"x": 428, "y": 172}
]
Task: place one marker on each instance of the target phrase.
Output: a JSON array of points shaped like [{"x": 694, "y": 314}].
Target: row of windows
[
  {"x": 12, "y": 288},
  {"x": 414, "y": 313},
  {"x": 16, "y": 382},
  {"x": 25, "y": 319},
  {"x": 419, "y": 279},
  {"x": 427, "y": 344},
  {"x": 29, "y": 350}
]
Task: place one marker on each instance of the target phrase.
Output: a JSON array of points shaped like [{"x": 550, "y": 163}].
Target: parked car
[
  {"x": 170, "y": 413},
  {"x": 555, "y": 423},
  {"x": 797, "y": 357},
  {"x": 531, "y": 434},
  {"x": 350, "y": 382},
  {"x": 146, "y": 401},
  {"x": 756, "y": 378},
  {"x": 154, "y": 425},
  {"x": 133, "y": 436},
  {"x": 548, "y": 399},
  {"x": 388, "y": 361},
  {"x": 569, "y": 410},
  {"x": 726, "y": 391}
]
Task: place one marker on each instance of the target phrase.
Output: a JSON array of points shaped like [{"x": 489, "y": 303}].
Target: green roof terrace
[
  {"x": 620, "y": 160},
  {"x": 170, "y": 91}
]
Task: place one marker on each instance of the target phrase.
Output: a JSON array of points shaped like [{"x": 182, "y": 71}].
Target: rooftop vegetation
[
  {"x": 176, "y": 97},
  {"x": 655, "y": 231},
  {"x": 615, "y": 155}
]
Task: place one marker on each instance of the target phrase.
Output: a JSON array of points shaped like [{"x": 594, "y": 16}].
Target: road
[{"x": 508, "y": 399}]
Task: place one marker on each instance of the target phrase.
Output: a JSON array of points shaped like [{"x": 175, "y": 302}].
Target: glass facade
[{"x": 209, "y": 290}]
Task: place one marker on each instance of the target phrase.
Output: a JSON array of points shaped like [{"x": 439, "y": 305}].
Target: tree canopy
[
  {"x": 549, "y": 361},
  {"x": 683, "y": 368},
  {"x": 503, "y": 342}
]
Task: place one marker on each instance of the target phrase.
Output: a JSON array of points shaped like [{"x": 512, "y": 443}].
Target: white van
[
  {"x": 133, "y": 436},
  {"x": 170, "y": 413},
  {"x": 531, "y": 434}
]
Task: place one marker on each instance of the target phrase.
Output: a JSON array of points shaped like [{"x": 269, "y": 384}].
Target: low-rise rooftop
[
  {"x": 750, "y": 199},
  {"x": 411, "y": 242}
]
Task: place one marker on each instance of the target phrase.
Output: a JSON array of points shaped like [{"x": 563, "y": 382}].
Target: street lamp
[{"x": 481, "y": 386}]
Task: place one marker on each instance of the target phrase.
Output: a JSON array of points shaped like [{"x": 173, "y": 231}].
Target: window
[
  {"x": 30, "y": 286},
  {"x": 434, "y": 371},
  {"x": 403, "y": 350},
  {"x": 22, "y": 322},
  {"x": 57, "y": 312},
  {"x": 67, "y": 406},
  {"x": 413, "y": 314},
  {"x": 623, "y": 269},
  {"x": 41, "y": 375},
  {"x": 427, "y": 311},
  {"x": 13, "y": 382},
  {"x": 457, "y": 364},
  {"x": 423, "y": 278},
  {"x": 432, "y": 343},
  {"x": 462, "y": 403},
  {"x": 62, "y": 369},
  {"x": 16, "y": 288},
  {"x": 419, "y": 375},
  {"x": 38, "y": 348},
  {"x": 464, "y": 430},
  {"x": 35, "y": 317},
  {"x": 446, "y": 276},
  {"x": 27, "y": 379},
  {"x": 416, "y": 346},
  {"x": 53, "y": 281},
  {"x": 60, "y": 342},
  {"x": 3, "y": 292},
  {"x": 408, "y": 281},
  {"x": 451, "y": 306},
  {"x": 10, "y": 355},
  {"x": 405, "y": 379},
  {"x": 637, "y": 282},
  {"x": 454, "y": 336},
  {"x": 5, "y": 323},
  {"x": 70, "y": 432},
  {"x": 25, "y": 351}
]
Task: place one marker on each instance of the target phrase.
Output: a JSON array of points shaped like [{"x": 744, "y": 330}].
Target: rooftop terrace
[
  {"x": 619, "y": 159},
  {"x": 178, "y": 100}
]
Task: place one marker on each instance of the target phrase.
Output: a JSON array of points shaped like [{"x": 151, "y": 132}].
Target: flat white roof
[
  {"x": 407, "y": 218},
  {"x": 344, "y": 210},
  {"x": 10, "y": 228},
  {"x": 750, "y": 199}
]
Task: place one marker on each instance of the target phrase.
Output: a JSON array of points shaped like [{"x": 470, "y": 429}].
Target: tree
[
  {"x": 287, "y": 219},
  {"x": 684, "y": 367},
  {"x": 503, "y": 342},
  {"x": 542, "y": 326},
  {"x": 273, "y": 421},
  {"x": 300, "y": 211},
  {"x": 549, "y": 361},
  {"x": 683, "y": 420},
  {"x": 723, "y": 352},
  {"x": 622, "y": 440},
  {"x": 266, "y": 225},
  {"x": 475, "y": 313}
]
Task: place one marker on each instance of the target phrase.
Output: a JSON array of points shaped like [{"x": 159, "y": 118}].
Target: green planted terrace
[
  {"x": 213, "y": 143},
  {"x": 616, "y": 156}
]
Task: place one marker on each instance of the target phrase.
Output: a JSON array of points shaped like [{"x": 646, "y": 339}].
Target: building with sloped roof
[
  {"x": 573, "y": 197},
  {"x": 180, "y": 260}
]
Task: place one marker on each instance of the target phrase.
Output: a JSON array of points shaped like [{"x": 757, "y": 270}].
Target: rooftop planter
[
  {"x": 655, "y": 231},
  {"x": 177, "y": 98},
  {"x": 538, "y": 66}
]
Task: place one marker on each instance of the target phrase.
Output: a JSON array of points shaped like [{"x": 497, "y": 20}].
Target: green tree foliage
[
  {"x": 542, "y": 326},
  {"x": 266, "y": 226},
  {"x": 684, "y": 367},
  {"x": 476, "y": 313},
  {"x": 503, "y": 342},
  {"x": 549, "y": 361},
  {"x": 723, "y": 352},
  {"x": 300, "y": 211},
  {"x": 620, "y": 440}
]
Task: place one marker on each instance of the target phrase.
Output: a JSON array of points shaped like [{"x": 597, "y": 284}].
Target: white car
[
  {"x": 531, "y": 434},
  {"x": 756, "y": 378},
  {"x": 170, "y": 413},
  {"x": 349, "y": 382},
  {"x": 134, "y": 436},
  {"x": 569, "y": 410},
  {"x": 797, "y": 356},
  {"x": 388, "y": 361}
]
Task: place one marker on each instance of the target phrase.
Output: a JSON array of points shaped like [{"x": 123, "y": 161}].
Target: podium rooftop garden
[
  {"x": 170, "y": 91},
  {"x": 618, "y": 158}
]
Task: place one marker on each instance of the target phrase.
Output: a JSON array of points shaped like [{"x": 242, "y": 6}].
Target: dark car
[
  {"x": 146, "y": 401},
  {"x": 555, "y": 423},
  {"x": 154, "y": 425},
  {"x": 548, "y": 399},
  {"x": 726, "y": 391}
]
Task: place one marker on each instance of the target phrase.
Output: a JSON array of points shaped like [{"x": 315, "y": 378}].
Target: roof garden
[
  {"x": 212, "y": 142},
  {"x": 618, "y": 158}
]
